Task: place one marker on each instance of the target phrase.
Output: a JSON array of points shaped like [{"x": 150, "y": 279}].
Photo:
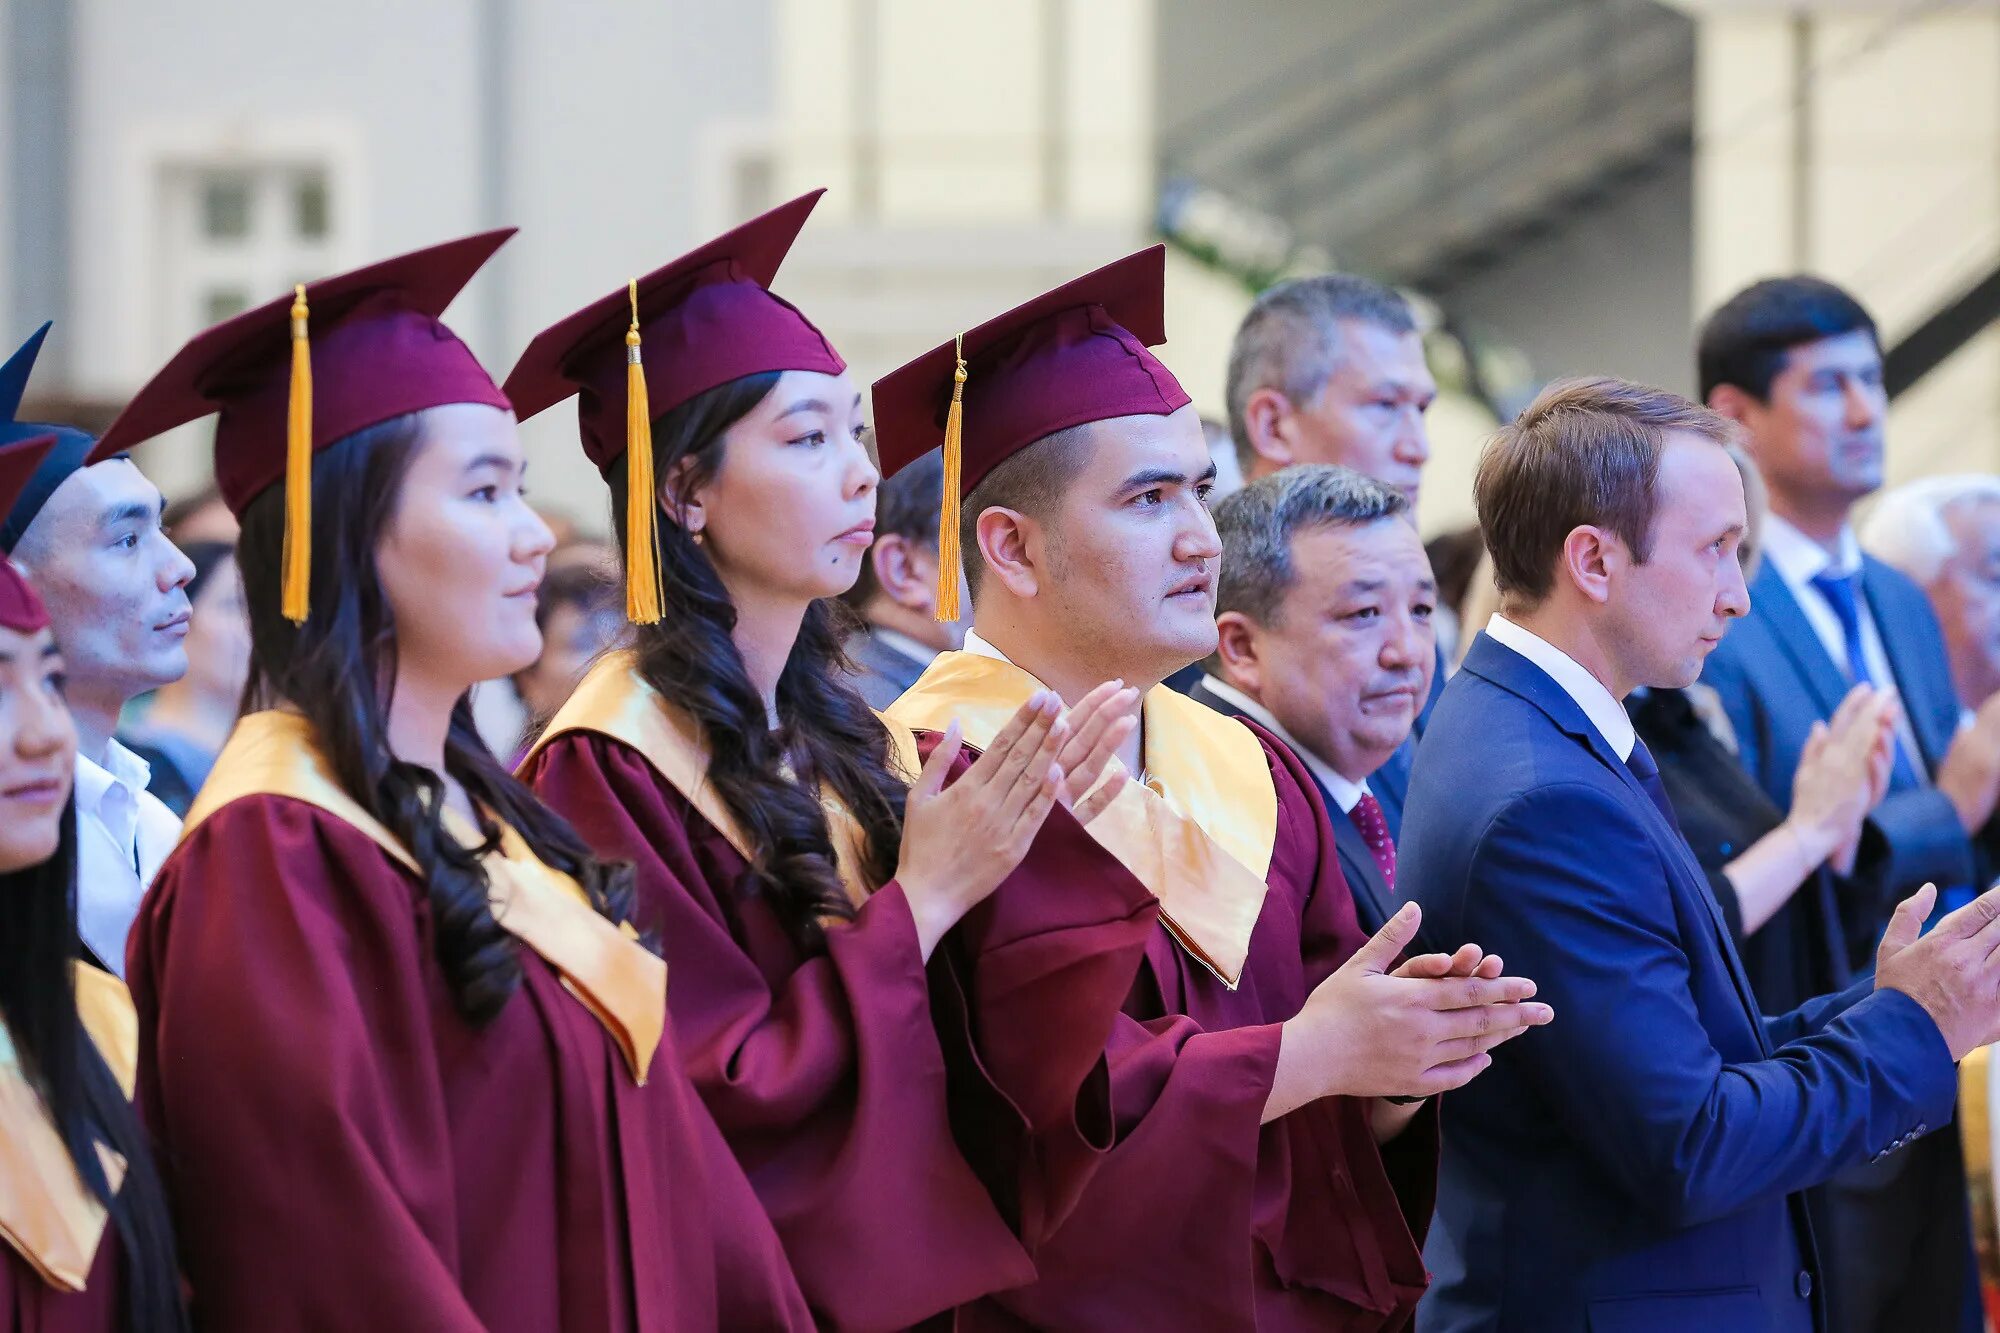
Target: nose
[
  {"x": 44, "y": 728},
  {"x": 1734, "y": 599},
  {"x": 862, "y": 474},
  {"x": 533, "y": 537},
  {"x": 1406, "y": 644},
  {"x": 1198, "y": 539},
  {"x": 176, "y": 570},
  {"x": 1415, "y": 446},
  {"x": 1864, "y": 404}
]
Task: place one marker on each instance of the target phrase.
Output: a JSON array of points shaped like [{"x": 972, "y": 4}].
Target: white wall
[{"x": 1880, "y": 171}]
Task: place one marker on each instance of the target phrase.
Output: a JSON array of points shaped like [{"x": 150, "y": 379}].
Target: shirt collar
[
  {"x": 121, "y": 769},
  {"x": 1346, "y": 794},
  {"x": 901, "y": 644},
  {"x": 1799, "y": 559},
  {"x": 978, "y": 647},
  {"x": 1605, "y": 713}
]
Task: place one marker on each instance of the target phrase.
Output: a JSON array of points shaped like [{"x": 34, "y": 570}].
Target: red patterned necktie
[{"x": 1367, "y": 817}]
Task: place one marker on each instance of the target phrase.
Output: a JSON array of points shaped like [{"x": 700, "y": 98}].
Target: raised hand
[
  {"x": 1953, "y": 972},
  {"x": 1842, "y": 773},
  {"x": 960, "y": 841},
  {"x": 1099, "y": 723},
  {"x": 1374, "y": 1029}
]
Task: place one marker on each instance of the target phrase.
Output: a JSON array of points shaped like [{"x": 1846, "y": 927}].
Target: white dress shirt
[
  {"x": 1799, "y": 559},
  {"x": 123, "y": 834},
  {"x": 1605, "y": 712},
  {"x": 1345, "y": 793}
]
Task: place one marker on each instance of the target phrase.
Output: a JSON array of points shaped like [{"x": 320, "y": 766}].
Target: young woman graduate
[
  {"x": 85, "y": 1243},
  {"x": 799, "y": 881},
  {"x": 406, "y": 1062}
]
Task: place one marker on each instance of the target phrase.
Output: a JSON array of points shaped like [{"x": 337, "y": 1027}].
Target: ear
[
  {"x": 681, "y": 505},
  {"x": 1267, "y": 420},
  {"x": 1010, "y": 544},
  {"x": 1590, "y": 556},
  {"x": 1732, "y": 402},
  {"x": 1236, "y": 645},
  {"x": 906, "y": 572}
]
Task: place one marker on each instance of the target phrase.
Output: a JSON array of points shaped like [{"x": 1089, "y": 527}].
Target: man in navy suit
[
  {"x": 1323, "y": 625},
  {"x": 1638, "y": 1164},
  {"x": 1795, "y": 362}
]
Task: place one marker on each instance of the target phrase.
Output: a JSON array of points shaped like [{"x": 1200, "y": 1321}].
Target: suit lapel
[
  {"x": 1796, "y": 636},
  {"x": 1516, "y": 674},
  {"x": 1914, "y": 672}
]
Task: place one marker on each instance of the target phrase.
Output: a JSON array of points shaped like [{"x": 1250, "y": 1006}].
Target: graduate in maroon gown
[
  {"x": 407, "y": 1064},
  {"x": 1259, "y": 1178},
  {"x": 85, "y": 1241},
  {"x": 798, "y": 882}
]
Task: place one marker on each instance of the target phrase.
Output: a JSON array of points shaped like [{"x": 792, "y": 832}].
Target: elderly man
[
  {"x": 1944, "y": 532},
  {"x": 1323, "y": 625}
]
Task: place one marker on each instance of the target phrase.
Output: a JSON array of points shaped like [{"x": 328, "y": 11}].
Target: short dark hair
[
  {"x": 906, "y": 506},
  {"x": 1258, "y": 524},
  {"x": 1289, "y": 342},
  {"x": 1586, "y": 451},
  {"x": 587, "y": 585},
  {"x": 1029, "y": 481},
  {"x": 1746, "y": 340}
]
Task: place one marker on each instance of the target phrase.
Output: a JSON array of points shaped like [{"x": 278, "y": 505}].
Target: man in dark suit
[
  {"x": 896, "y": 595},
  {"x": 1638, "y": 1165},
  {"x": 1795, "y": 362},
  {"x": 1323, "y": 626},
  {"x": 1330, "y": 368}
]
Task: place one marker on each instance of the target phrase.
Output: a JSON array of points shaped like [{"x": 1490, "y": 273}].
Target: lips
[
  {"x": 861, "y": 534},
  {"x": 173, "y": 624},
  {"x": 35, "y": 791},
  {"x": 1197, "y": 586}
]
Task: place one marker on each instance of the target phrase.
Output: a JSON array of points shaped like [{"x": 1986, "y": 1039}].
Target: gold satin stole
[
  {"x": 613, "y": 700},
  {"x": 1198, "y": 831},
  {"x": 47, "y": 1214},
  {"x": 603, "y": 966}
]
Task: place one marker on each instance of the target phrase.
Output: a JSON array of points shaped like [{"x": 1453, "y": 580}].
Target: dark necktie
[
  {"x": 1374, "y": 828},
  {"x": 1648, "y": 772},
  {"x": 1838, "y": 590}
]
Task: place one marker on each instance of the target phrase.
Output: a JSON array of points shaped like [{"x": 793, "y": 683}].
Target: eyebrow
[
  {"x": 132, "y": 511},
  {"x": 1165, "y": 477},
  {"x": 810, "y": 405},
  {"x": 49, "y": 650},
  {"x": 493, "y": 460}
]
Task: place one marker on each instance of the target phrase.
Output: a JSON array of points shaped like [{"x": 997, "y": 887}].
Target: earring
[{"x": 699, "y": 539}]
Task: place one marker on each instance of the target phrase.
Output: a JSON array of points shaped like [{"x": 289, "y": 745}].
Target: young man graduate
[{"x": 1266, "y": 1064}]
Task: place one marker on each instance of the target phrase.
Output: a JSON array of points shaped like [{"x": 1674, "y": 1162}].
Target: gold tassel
[
  {"x": 297, "y": 568},
  {"x": 948, "y": 552},
  {"x": 642, "y": 507}
]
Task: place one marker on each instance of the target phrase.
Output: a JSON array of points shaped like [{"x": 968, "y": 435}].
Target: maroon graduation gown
[
  {"x": 28, "y": 1304},
  {"x": 344, "y": 1151},
  {"x": 1200, "y": 1216},
  {"x": 825, "y": 1071}
]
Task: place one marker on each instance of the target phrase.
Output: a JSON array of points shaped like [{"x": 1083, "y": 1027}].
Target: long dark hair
[
  {"x": 38, "y": 946},
  {"x": 339, "y": 670},
  {"x": 826, "y": 731}
]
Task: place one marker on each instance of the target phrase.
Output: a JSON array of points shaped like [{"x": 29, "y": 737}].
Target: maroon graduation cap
[
  {"x": 20, "y": 609},
  {"x": 1068, "y": 357},
  {"x": 304, "y": 371},
  {"x": 703, "y": 320}
]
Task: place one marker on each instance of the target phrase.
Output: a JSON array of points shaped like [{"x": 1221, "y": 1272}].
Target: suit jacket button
[{"x": 1805, "y": 1283}]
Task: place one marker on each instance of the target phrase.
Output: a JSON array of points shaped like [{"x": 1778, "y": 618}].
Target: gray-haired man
[
  {"x": 1323, "y": 619},
  {"x": 1330, "y": 369},
  {"x": 1944, "y": 532}
]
